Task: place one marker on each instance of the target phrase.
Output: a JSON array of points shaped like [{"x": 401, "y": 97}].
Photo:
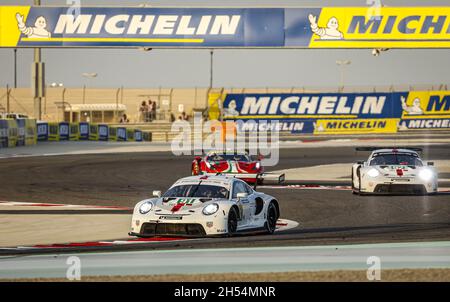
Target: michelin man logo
[
  {"x": 37, "y": 31},
  {"x": 319, "y": 128},
  {"x": 415, "y": 109},
  {"x": 231, "y": 110},
  {"x": 331, "y": 32}
]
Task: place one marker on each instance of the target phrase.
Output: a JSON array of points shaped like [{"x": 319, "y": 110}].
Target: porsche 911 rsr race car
[
  {"x": 205, "y": 205},
  {"x": 240, "y": 165},
  {"x": 394, "y": 171}
]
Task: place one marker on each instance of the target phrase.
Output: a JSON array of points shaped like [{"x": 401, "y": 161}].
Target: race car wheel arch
[
  {"x": 356, "y": 189},
  {"x": 232, "y": 221}
]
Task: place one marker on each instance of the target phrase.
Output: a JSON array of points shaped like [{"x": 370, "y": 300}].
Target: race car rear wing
[
  {"x": 371, "y": 149},
  {"x": 278, "y": 178}
]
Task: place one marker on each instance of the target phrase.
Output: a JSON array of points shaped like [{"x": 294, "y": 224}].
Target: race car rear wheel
[
  {"x": 272, "y": 217},
  {"x": 232, "y": 222}
]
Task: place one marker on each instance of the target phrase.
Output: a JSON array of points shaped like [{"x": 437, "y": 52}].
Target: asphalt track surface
[
  {"x": 325, "y": 216},
  {"x": 233, "y": 260}
]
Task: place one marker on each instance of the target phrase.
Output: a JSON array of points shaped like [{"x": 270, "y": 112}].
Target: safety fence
[
  {"x": 20, "y": 132},
  {"x": 25, "y": 132},
  {"x": 64, "y": 131}
]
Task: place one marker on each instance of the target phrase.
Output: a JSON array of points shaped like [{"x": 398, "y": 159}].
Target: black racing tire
[
  {"x": 232, "y": 222},
  {"x": 271, "y": 218},
  {"x": 355, "y": 190}
]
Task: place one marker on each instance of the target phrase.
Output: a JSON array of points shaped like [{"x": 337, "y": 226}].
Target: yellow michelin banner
[
  {"x": 381, "y": 27},
  {"x": 356, "y": 126},
  {"x": 215, "y": 100},
  {"x": 327, "y": 27}
]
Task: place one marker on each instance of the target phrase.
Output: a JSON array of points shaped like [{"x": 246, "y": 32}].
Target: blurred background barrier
[
  {"x": 103, "y": 132},
  {"x": 146, "y": 136},
  {"x": 130, "y": 135},
  {"x": 58, "y": 131},
  {"x": 18, "y": 132},
  {"x": 30, "y": 132},
  {"x": 121, "y": 134},
  {"x": 112, "y": 133},
  {"x": 11, "y": 133},
  {"x": 93, "y": 132},
  {"x": 74, "y": 131},
  {"x": 42, "y": 131},
  {"x": 137, "y": 135},
  {"x": 84, "y": 131}
]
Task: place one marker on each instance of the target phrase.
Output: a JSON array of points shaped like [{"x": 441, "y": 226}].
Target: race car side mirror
[
  {"x": 157, "y": 194},
  {"x": 430, "y": 163},
  {"x": 197, "y": 158},
  {"x": 242, "y": 195},
  {"x": 360, "y": 162}
]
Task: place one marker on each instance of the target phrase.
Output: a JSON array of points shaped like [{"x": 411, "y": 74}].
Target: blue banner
[
  {"x": 327, "y": 27},
  {"x": 340, "y": 113},
  {"x": 42, "y": 131},
  {"x": 316, "y": 112},
  {"x": 165, "y": 27}
]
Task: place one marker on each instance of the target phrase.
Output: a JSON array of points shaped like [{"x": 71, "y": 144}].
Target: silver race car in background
[
  {"x": 205, "y": 205},
  {"x": 394, "y": 171}
]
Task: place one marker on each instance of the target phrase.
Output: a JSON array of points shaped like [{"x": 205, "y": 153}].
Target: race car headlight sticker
[
  {"x": 426, "y": 174},
  {"x": 373, "y": 173},
  {"x": 210, "y": 209},
  {"x": 258, "y": 165},
  {"x": 145, "y": 207},
  {"x": 208, "y": 164}
]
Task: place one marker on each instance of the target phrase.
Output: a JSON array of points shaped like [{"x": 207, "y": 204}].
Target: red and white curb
[
  {"x": 282, "y": 225},
  {"x": 285, "y": 224},
  {"x": 62, "y": 206}
]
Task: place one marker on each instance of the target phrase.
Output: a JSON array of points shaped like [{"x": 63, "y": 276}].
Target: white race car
[
  {"x": 394, "y": 171},
  {"x": 203, "y": 206}
]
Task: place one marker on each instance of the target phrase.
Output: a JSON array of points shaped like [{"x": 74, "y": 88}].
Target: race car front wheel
[
  {"x": 272, "y": 217},
  {"x": 354, "y": 189},
  {"x": 232, "y": 222}
]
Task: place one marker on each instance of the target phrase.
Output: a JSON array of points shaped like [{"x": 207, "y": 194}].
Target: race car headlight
[
  {"x": 373, "y": 173},
  {"x": 210, "y": 209},
  {"x": 426, "y": 174},
  {"x": 145, "y": 207}
]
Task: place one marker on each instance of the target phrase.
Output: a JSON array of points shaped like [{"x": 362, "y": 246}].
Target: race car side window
[
  {"x": 248, "y": 189},
  {"x": 238, "y": 187}
]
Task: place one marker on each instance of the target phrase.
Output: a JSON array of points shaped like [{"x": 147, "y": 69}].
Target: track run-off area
[{"x": 324, "y": 210}]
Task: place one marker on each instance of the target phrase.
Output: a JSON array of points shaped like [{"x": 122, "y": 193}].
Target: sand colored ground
[
  {"x": 26, "y": 229},
  {"x": 400, "y": 275}
]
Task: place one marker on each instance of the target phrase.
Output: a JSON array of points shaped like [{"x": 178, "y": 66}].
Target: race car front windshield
[
  {"x": 198, "y": 190},
  {"x": 223, "y": 157},
  {"x": 396, "y": 159}
]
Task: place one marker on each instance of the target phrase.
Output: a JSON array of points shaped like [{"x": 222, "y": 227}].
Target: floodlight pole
[{"x": 38, "y": 72}]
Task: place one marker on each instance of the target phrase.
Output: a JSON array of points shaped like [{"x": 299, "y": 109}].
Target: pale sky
[{"x": 232, "y": 68}]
